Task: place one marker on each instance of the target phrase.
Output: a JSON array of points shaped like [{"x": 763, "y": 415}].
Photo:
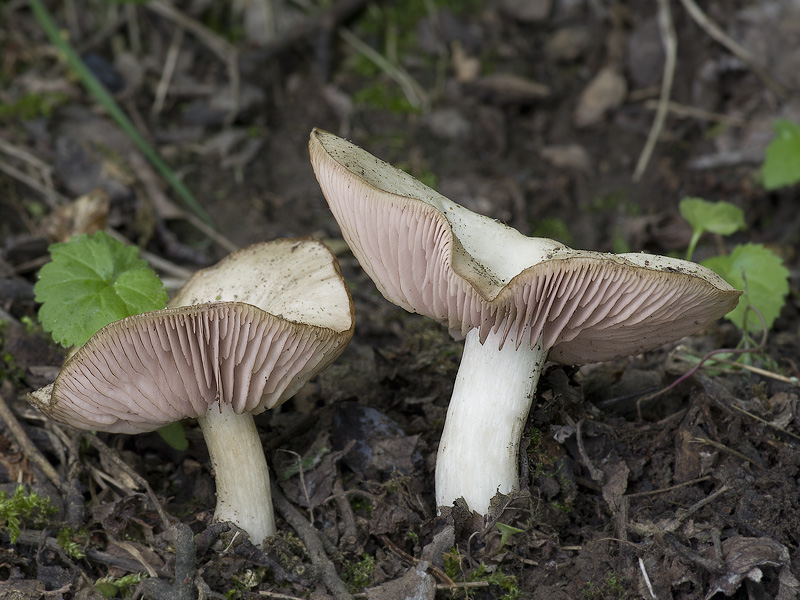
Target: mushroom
[
  {"x": 240, "y": 337},
  {"x": 518, "y": 301}
]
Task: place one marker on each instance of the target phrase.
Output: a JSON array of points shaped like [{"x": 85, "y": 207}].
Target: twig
[
  {"x": 278, "y": 596},
  {"x": 759, "y": 371},
  {"x": 28, "y": 448},
  {"x": 737, "y": 50},
  {"x": 350, "y": 533},
  {"x": 211, "y": 233},
  {"x": 302, "y": 477},
  {"x": 34, "y": 538},
  {"x": 647, "y": 579},
  {"x": 8, "y": 317},
  {"x": 707, "y": 357},
  {"x": 310, "y": 537},
  {"x": 182, "y": 538},
  {"x": 162, "y": 264},
  {"x": 216, "y": 43},
  {"x": 667, "y": 489},
  {"x": 352, "y": 492},
  {"x": 411, "y": 89},
  {"x": 724, "y": 448},
  {"x": 597, "y": 474},
  {"x": 226, "y": 51},
  {"x": 440, "y": 575},
  {"x": 765, "y": 422},
  {"x": 671, "y": 525},
  {"x": 53, "y": 198},
  {"x": 165, "y": 209},
  {"x": 134, "y": 30},
  {"x": 683, "y": 110},
  {"x": 102, "y": 447},
  {"x": 670, "y": 42},
  {"x": 33, "y": 160},
  {"x": 169, "y": 70}
]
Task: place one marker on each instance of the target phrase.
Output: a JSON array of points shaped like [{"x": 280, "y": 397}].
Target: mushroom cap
[
  {"x": 432, "y": 256},
  {"x": 249, "y": 332}
]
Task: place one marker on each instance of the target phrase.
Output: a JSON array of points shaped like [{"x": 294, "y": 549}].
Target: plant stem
[
  {"x": 242, "y": 475},
  {"x": 478, "y": 452},
  {"x": 696, "y": 233}
]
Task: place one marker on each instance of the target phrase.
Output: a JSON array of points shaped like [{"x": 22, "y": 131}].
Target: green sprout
[
  {"x": 68, "y": 544},
  {"x": 506, "y": 531},
  {"x": 358, "y": 573},
  {"x": 31, "y": 106},
  {"x": 305, "y": 463},
  {"x": 111, "y": 587},
  {"x": 782, "y": 161},
  {"x": 454, "y": 566},
  {"x": 22, "y": 506},
  {"x": 507, "y": 583},
  {"x": 752, "y": 268},
  {"x": 722, "y": 218}
]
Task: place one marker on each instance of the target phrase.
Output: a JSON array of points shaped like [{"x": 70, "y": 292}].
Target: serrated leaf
[
  {"x": 782, "y": 160},
  {"x": 717, "y": 217},
  {"x": 760, "y": 274},
  {"x": 90, "y": 282}
]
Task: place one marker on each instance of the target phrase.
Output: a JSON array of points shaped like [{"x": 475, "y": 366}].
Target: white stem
[
  {"x": 493, "y": 392},
  {"x": 242, "y": 475}
]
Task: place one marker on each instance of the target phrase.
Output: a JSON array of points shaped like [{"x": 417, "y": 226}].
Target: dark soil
[{"x": 690, "y": 495}]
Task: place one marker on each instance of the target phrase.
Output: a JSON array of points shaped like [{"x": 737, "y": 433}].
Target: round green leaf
[
  {"x": 723, "y": 218},
  {"x": 782, "y": 160}
]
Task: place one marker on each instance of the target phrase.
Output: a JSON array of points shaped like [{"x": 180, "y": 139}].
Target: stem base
[{"x": 478, "y": 452}]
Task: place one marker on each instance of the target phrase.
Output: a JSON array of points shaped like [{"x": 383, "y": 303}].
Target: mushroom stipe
[
  {"x": 239, "y": 338},
  {"x": 517, "y": 300}
]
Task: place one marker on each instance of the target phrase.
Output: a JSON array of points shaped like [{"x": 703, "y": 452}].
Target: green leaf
[
  {"x": 760, "y": 274},
  {"x": 717, "y": 217},
  {"x": 506, "y": 531},
  {"x": 108, "y": 589},
  {"x": 90, "y": 282},
  {"x": 782, "y": 161},
  {"x": 175, "y": 436},
  {"x": 22, "y": 505},
  {"x": 111, "y": 587}
]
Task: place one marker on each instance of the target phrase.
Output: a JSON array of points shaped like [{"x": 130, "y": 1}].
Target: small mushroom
[
  {"x": 239, "y": 338},
  {"x": 518, "y": 300}
]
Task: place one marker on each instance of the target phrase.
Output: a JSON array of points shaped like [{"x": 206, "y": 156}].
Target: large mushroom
[
  {"x": 518, "y": 301},
  {"x": 239, "y": 338}
]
